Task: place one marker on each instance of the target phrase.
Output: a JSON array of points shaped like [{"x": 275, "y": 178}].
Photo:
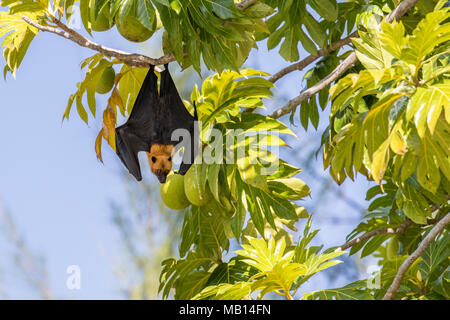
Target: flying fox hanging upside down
[{"x": 151, "y": 125}]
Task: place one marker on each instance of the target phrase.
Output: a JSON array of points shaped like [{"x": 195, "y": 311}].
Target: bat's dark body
[{"x": 152, "y": 121}]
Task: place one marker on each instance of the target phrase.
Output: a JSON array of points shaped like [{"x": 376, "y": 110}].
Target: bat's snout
[
  {"x": 162, "y": 179},
  {"x": 161, "y": 176}
]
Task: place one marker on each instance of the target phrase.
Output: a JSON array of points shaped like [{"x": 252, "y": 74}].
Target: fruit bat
[{"x": 150, "y": 127}]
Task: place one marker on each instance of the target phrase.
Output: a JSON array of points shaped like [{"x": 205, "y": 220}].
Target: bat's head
[{"x": 160, "y": 160}]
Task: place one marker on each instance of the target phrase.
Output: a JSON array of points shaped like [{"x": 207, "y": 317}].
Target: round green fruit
[
  {"x": 106, "y": 81},
  {"x": 172, "y": 192},
  {"x": 197, "y": 192},
  {"x": 132, "y": 29},
  {"x": 102, "y": 21}
]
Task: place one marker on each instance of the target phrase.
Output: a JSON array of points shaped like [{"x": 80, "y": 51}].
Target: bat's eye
[
  {"x": 153, "y": 159},
  {"x": 167, "y": 172},
  {"x": 170, "y": 159}
]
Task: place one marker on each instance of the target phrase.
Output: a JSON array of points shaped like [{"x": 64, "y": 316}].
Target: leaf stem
[{"x": 288, "y": 295}]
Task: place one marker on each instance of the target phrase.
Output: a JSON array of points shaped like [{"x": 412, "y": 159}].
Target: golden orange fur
[{"x": 160, "y": 160}]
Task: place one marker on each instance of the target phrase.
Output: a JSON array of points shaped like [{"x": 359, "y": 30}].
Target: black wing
[
  {"x": 178, "y": 118},
  {"x": 136, "y": 134},
  {"x": 173, "y": 106}
]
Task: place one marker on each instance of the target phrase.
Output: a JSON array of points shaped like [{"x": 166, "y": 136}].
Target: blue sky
[
  {"x": 50, "y": 178},
  {"x": 57, "y": 191}
]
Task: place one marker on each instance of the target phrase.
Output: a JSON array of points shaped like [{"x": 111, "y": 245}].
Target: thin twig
[
  {"x": 400, "y": 229},
  {"x": 416, "y": 254},
  {"x": 401, "y": 9},
  {"x": 32, "y": 268}
]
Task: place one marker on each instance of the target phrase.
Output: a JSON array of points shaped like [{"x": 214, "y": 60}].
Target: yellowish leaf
[
  {"x": 116, "y": 100},
  {"x": 109, "y": 121},
  {"x": 98, "y": 145},
  {"x": 398, "y": 143}
]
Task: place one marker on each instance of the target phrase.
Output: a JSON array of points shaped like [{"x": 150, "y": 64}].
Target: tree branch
[
  {"x": 400, "y": 229},
  {"x": 132, "y": 59},
  {"x": 401, "y": 9},
  {"x": 308, "y": 93},
  {"x": 416, "y": 254},
  {"x": 311, "y": 58},
  {"x": 308, "y": 60}
]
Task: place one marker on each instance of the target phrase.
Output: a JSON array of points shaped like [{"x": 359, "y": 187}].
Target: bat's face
[{"x": 160, "y": 160}]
